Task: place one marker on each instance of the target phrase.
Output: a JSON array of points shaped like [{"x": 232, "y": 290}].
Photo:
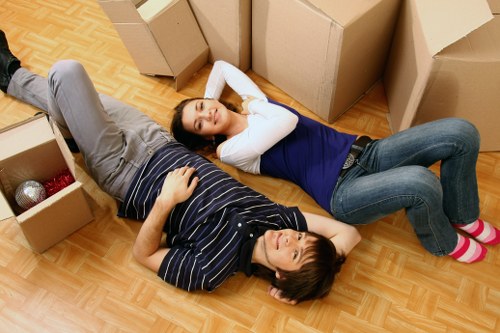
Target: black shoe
[
  {"x": 8, "y": 63},
  {"x": 73, "y": 147}
]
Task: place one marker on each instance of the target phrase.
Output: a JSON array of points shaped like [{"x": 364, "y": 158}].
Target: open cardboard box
[
  {"x": 326, "y": 54},
  {"x": 226, "y": 26},
  {"x": 162, "y": 36},
  {"x": 34, "y": 150},
  {"x": 445, "y": 62}
]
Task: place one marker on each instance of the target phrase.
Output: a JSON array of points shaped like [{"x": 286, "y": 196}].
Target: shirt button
[
  {"x": 150, "y": 151},
  {"x": 251, "y": 235},
  {"x": 239, "y": 225}
]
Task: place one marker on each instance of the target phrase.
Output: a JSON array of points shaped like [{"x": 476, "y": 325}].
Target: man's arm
[
  {"x": 176, "y": 189},
  {"x": 344, "y": 236}
]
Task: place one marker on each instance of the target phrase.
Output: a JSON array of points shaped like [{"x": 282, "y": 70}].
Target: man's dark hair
[
  {"x": 193, "y": 141},
  {"x": 315, "y": 278}
]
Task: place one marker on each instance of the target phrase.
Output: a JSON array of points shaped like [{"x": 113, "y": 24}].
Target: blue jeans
[{"x": 392, "y": 174}]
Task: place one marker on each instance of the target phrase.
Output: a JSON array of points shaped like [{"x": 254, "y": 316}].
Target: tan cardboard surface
[
  {"x": 5, "y": 211},
  {"x": 343, "y": 12},
  {"x": 325, "y": 65},
  {"x": 152, "y": 8},
  {"x": 121, "y": 11},
  {"x": 167, "y": 41},
  {"x": 457, "y": 81},
  {"x": 55, "y": 218},
  {"x": 143, "y": 48},
  {"x": 494, "y": 6},
  {"x": 24, "y": 136},
  {"x": 226, "y": 26},
  {"x": 35, "y": 152},
  {"x": 445, "y": 21},
  {"x": 178, "y": 36}
]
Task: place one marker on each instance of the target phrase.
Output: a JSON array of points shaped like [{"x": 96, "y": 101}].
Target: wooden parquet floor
[{"x": 91, "y": 283}]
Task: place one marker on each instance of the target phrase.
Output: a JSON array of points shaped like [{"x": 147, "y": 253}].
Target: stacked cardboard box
[
  {"x": 162, "y": 36},
  {"x": 324, "y": 53},
  {"x": 33, "y": 150},
  {"x": 226, "y": 26},
  {"x": 445, "y": 62}
]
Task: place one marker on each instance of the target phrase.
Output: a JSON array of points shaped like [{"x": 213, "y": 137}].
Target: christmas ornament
[
  {"x": 29, "y": 193},
  {"x": 58, "y": 182}
]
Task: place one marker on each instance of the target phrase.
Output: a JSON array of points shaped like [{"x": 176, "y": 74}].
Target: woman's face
[{"x": 205, "y": 117}]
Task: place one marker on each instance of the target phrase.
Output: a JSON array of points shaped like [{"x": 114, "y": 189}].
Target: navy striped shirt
[{"x": 204, "y": 233}]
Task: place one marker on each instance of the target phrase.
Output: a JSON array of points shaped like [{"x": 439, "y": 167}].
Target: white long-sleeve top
[{"x": 267, "y": 123}]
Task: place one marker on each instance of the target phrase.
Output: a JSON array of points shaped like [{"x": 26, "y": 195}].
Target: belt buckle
[{"x": 349, "y": 161}]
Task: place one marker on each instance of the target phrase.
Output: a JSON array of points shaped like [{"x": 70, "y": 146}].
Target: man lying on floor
[{"x": 215, "y": 226}]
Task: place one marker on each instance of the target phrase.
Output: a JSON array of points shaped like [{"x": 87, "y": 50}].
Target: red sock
[
  {"x": 482, "y": 231},
  {"x": 468, "y": 250}
]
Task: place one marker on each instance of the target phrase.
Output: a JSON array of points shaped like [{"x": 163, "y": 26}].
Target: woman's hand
[{"x": 245, "y": 103}]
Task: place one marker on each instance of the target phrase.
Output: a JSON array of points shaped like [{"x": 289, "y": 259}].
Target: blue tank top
[{"x": 311, "y": 156}]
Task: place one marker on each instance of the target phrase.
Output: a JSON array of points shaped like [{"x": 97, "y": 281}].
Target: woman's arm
[
  {"x": 344, "y": 236},
  {"x": 176, "y": 189},
  {"x": 224, "y": 73}
]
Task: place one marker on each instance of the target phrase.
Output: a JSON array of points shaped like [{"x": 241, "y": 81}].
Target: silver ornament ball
[{"x": 29, "y": 193}]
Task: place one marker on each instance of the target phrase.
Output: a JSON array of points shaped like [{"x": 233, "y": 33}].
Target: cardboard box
[
  {"x": 162, "y": 36},
  {"x": 445, "y": 62},
  {"x": 494, "y": 6},
  {"x": 226, "y": 26},
  {"x": 324, "y": 53},
  {"x": 33, "y": 150}
]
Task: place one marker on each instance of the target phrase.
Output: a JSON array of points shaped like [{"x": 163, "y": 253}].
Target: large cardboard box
[
  {"x": 324, "y": 53},
  {"x": 33, "y": 150},
  {"x": 162, "y": 36},
  {"x": 445, "y": 62},
  {"x": 226, "y": 26}
]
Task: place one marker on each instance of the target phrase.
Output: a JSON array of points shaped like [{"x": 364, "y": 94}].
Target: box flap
[
  {"x": 5, "y": 210},
  {"x": 24, "y": 135},
  {"x": 482, "y": 45},
  {"x": 494, "y": 6},
  {"x": 446, "y": 21},
  {"x": 344, "y": 12},
  {"x": 121, "y": 11},
  {"x": 66, "y": 153},
  {"x": 153, "y": 7}
]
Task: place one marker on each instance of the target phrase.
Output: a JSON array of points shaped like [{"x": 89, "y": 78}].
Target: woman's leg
[
  {"x": 454, "y": 142},
  {"x": 392, "y": 175},
  {"x": 362, "y": 199}
]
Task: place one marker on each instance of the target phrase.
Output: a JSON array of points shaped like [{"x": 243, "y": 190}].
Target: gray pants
[{"x": 115, "y": 139}]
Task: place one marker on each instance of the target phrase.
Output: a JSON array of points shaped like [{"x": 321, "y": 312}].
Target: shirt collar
[{"x": 246, "y": 250}]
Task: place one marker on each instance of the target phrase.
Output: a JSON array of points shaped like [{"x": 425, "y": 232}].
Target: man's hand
[
  {"x": 176, "y": 189},
  {"x": 276, "y": 294}
]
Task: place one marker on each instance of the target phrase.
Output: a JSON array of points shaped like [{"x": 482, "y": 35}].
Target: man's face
[{"x": 285, "y": 248}]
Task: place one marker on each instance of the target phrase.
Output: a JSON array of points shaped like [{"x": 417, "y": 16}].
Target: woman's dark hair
[
  {"x": 315, "y": 278},
  {"x": 193, "y": 141}
]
